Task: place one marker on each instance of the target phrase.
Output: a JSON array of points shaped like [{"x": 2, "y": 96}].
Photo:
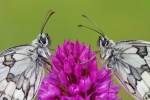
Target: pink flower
[{"x": 78, "y": 80}]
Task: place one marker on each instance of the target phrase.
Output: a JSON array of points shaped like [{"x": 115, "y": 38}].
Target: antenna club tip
[
  {"x": 84, "y": 15},
  {"x": 53, "y": 12},
  {"x": 49, "y": 10},
  {"x": 80, "y": 26}
]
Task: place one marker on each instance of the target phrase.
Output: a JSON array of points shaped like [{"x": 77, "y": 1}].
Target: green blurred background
[{"x": 21, "y": 20}]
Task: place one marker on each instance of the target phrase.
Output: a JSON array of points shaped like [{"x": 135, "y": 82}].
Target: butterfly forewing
[{"x": 20, "y": 73}]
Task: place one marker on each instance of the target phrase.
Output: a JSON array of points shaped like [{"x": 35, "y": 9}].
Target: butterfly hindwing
[{"x": 127, "y": 81}]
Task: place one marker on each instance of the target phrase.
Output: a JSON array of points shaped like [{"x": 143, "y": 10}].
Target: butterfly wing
[
  {"x": 122, "y": 78},
  {"x": 20, "y": 73},
  {"x": 131, "y": 64}
]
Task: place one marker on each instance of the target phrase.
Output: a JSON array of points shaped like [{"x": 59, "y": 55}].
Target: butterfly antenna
[
  {"x": 48, "y": 14},
  {"x": 101, "y": 32},
  {"x": 90, "y": 28}
]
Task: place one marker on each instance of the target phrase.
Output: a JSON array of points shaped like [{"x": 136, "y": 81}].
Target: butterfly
[
  {"x": 21, "y": 67},
  {"x": 129, "y": 61}
]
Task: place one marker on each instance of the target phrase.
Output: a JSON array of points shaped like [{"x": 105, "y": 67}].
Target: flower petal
[
  {"x": 71, "y": 60},
  {"x": 73, "y": 89},
  {"x": 84, "y": 84},
  {"x": 79, "y": 78},
  {"x": 61, "y": 54},
  {"x": 67, "y": 68},
  {"x": 78, "y": 70}
]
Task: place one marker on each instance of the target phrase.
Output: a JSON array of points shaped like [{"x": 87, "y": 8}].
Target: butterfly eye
[
  {"x": 104, "y": 42},
  {"x": 43, "y": 40}
]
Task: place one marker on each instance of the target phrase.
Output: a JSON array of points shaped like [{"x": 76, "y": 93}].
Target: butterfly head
[
  {"x": 104, "y": 42},
  {"x": 42, "y": 43},
  {"x": 44, "y": 39}
]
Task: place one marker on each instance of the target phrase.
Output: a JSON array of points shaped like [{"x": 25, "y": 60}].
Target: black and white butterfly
[
  {"x": 130, "y": 62},
  {"x": 21, "y": 67}
]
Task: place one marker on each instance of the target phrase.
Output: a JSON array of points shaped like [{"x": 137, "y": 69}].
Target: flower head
[{"x": 79, "y": 77}]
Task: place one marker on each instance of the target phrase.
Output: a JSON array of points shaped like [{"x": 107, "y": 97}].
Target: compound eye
[
  {"x": 104, "y": 42},
  {"x": 43, "y": 40}
]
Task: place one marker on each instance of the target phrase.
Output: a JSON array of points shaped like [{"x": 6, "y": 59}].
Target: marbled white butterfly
[
  {"x": 21, "y": 69},
  {"x": 130, "y": 62}
]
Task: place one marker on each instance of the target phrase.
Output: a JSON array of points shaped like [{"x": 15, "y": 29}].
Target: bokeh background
[{"x": 21, "y": 20}]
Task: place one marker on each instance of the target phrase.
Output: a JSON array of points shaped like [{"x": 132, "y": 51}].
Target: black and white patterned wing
[
  {"x": 131, "y": 63},
  {"x": 123, "y": 79},
  {"x": 20, "y": 73}
]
